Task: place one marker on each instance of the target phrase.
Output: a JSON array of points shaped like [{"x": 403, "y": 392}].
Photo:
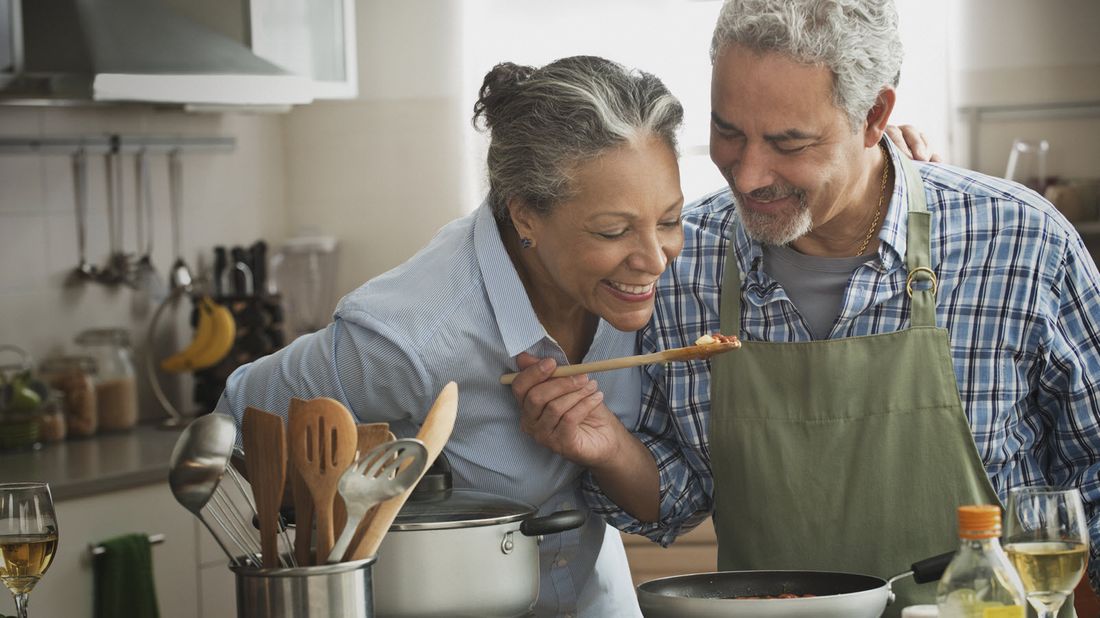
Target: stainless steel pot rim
[
  {"x": 460, "y": 508},
  {"x": 466, "y": 523},
  {"x": 321, "y": 569}
]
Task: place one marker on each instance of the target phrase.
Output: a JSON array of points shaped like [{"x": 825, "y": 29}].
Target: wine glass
[
  {"x": 28, "y": 538},
  {"x": 1046, "y": 537}
]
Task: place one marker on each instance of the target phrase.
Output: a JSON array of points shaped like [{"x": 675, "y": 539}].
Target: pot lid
[{"x": 459, "y": 508}]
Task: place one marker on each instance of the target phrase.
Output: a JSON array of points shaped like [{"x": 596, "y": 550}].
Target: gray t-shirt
[{"x": 814, "y": 284}]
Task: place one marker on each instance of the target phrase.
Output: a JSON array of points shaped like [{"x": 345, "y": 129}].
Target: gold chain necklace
[{"x": 881, "y": 198}]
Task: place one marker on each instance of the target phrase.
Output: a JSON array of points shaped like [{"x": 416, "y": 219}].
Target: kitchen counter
[{"x": 89, "y": 466}]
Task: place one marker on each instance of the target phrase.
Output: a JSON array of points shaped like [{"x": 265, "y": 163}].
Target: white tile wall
[
  {"x": 380, "y": 176},
  {"x": 232, "y": 198}
]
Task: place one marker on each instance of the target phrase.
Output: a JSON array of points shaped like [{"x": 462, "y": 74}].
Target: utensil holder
[{"x": 344, "y": 589}]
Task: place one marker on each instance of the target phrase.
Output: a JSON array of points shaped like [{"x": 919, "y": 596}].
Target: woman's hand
[
  {"x": 912, "y": 143},
  {"x": 566, "y": 415}
]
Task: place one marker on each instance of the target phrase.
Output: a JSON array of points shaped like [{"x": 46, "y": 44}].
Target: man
[{"x": 916, "y": 337}]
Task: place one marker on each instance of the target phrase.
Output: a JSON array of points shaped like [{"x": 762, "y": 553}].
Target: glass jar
[
  {"x": 74, "y": 377},
  {"x": 52, "y": 426},
  {"x": 115, "y": 381}
]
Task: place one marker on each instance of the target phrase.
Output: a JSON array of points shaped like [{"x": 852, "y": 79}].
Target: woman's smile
[{"x": 630, "y": 293}]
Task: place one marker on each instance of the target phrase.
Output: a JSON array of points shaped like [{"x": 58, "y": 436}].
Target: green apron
[{"x": 845, "y": 454}]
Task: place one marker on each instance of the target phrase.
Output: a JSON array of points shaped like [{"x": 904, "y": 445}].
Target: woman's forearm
[{"x": 630, "y": 479}]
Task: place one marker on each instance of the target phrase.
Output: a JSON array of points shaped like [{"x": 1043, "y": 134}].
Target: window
[{"x": 671, "y": 39}]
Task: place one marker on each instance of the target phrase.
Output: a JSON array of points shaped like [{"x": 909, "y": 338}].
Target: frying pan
[{"x": 836, "y": 595}]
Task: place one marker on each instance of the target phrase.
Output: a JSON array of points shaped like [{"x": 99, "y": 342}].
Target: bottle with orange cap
[{"x": 980, "y": 582}]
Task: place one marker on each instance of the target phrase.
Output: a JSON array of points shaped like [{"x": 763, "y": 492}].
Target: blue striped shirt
[
  {"x": 458, "y": 311},
  {"x": 1017, "y": 293}
]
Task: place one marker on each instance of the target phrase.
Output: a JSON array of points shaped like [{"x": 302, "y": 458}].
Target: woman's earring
[{"x": 526, "y": 243}]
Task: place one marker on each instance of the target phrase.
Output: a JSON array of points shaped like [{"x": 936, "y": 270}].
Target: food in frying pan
[{"x": 785, "y": 595}]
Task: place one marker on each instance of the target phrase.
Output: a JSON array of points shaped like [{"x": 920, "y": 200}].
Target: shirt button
[{"x": 562, "y": 562}]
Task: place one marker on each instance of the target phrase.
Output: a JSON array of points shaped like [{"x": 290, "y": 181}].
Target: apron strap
[
  {"x": 729, "y": 322},
  {"x": 921, "y": 283}
]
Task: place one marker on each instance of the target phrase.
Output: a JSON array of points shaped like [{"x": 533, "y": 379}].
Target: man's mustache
[{"x": 771, "y": 192}]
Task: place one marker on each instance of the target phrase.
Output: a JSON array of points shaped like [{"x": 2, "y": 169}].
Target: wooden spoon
[
  {"x": 688, "y": 353},
  {"x": 322, "y": 445},
  {"x": 370, "y": 435},
  {"x": 265, "y": 460},
  {"x": 434, "y": 433}
]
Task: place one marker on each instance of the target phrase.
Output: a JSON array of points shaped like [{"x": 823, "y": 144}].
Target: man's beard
[{"x": 775, "y": 228}]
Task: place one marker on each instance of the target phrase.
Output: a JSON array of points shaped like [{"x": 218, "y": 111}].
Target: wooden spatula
[
  {"x": 265, "y": 459},
  {"x": 322, "y": 445},
  {"x": 369, "y": 435},
  {"x": 435, "y": 432}
]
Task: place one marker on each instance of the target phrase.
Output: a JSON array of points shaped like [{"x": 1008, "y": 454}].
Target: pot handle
[
  {"x": 924, "y": 571},
  {"x": 931, "y": 569},
  {"x": 553, "y": 523}
]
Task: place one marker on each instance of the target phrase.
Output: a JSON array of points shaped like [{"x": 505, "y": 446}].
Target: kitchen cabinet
[
  {"x": 315, "y": 39},
  {"x": 695, "y": 552},
  {"x": 311, "y": 38},
  {"x": 67, "y": 588}
]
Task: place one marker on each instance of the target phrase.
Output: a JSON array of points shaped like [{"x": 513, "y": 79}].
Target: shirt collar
[
  {"x": 520, "y": 328},
  {"x": 895, "y": 227}
]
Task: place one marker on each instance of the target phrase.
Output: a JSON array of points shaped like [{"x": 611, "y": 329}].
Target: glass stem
[
  {"x": 1042, "y": 610},
  {"x": 20, "y": 604}
]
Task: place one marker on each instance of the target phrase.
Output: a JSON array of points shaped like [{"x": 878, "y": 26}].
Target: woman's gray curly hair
[
  {"x": 544, "y": 122},
  {"x": 857, "y": 40}
]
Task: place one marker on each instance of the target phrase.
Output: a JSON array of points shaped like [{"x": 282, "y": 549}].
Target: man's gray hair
[
  {"x": 544, "y": 122},
  {"x": 857, "y": 40}
]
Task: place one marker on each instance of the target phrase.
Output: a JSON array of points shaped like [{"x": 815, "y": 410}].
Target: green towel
[{"x": 124, "y": 579}]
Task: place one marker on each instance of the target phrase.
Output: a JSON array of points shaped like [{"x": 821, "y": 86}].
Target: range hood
[{"x": 73, "y": 51}]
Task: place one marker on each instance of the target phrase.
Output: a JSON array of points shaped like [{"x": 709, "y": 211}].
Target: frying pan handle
[
  {"x": 931, "y": 569},
  {"x": 553, "y": 523}
]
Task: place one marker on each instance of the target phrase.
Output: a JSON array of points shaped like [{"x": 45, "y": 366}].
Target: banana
[
  {"x": 225, "y": 335},
  {"x": 204, "y": 333},
  {"x": 214, "y": 337}
]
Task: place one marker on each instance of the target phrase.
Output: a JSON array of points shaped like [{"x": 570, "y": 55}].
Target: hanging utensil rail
[{"x": 116, "y": 143}]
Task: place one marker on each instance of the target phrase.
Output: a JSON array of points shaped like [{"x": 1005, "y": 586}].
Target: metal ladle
[
  {"x": 84, "y": 270},
  {"x": 197, "y": 466},
  {"x": 117, "y": 269},
  {"x": 180, "y": 275},
  {"x": 145, "y": 275}
]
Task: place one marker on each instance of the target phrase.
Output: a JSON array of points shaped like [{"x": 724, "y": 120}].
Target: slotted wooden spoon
[
  {"x": 434, "y": 433},
  {"x": 322, "y": 445},
  {"x": 369, "y": 435},
  {"x": 265, "y": 459}
]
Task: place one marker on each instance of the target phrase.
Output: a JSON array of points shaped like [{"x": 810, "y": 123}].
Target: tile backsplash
[{"x": 228, "y": 198}]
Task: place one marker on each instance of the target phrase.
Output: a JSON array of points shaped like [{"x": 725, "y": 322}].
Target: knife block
[{"x": 260, "y": 332}]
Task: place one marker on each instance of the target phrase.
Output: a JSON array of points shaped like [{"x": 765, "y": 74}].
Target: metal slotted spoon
[{"x": 381, "y": 473}]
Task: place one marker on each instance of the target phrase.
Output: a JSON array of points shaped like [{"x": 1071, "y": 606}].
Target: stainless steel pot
[
  {"x": 458, "y": 552},
  {"x": 343, "y": 589},
  {"x": 836, "y": 595}
]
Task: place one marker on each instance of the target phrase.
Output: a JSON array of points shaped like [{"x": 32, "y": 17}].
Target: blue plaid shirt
[{"x": 1017, "y": 293}]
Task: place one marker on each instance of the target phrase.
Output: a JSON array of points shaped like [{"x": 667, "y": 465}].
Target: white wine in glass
[
  {"x": 1046, "y": 537},
  {"x": 28, "y": 538}
]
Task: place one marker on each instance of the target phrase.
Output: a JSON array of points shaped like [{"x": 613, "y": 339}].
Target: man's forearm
[{"x": 630, "y": 479}]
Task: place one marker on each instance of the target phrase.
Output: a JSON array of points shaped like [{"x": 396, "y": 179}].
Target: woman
[{"x": 582, "y": 216}]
